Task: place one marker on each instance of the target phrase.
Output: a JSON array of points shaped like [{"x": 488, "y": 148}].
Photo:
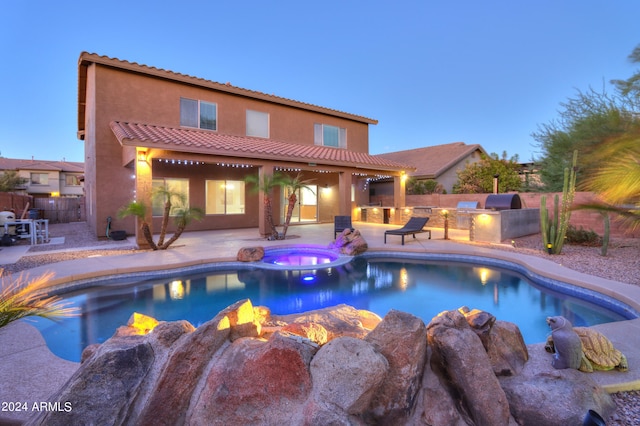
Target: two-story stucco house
[
  {"x": 144, "y": 127},
  {"x": 43, "y": 178}
]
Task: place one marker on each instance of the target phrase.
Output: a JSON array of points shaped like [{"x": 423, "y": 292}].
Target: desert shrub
[{"x": 582, "y": 237}]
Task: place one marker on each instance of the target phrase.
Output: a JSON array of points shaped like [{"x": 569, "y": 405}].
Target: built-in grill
[
  {"x": 463, "y": 213},
  {"x": 502, "y": 202}
]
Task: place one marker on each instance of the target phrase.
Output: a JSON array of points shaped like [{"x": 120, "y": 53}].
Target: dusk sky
[{"x": 431, "y": 72}]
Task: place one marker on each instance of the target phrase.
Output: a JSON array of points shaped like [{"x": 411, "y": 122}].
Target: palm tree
[
  {"x": 294, "y": 185},
  {"x": 167, "y": 194},
  {"x": 22, "y": 298},
  {"x": 617, "y": 182},
  {"x": 182, "y": 216},
  {"x": 266, "y": 185},
  {"x": 139, "y": 210}
]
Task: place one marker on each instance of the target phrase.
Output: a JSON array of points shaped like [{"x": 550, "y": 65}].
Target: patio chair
[
  {"x": 340, "y": 223},
  {"x": 413, "y": 227}
]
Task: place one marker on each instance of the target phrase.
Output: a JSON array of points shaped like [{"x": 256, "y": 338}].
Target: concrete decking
[{"x": 23, "y": 351}]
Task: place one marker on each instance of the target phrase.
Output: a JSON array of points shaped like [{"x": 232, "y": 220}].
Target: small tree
[
  {"x": 423, "y": 186},
  {"x": 477, "y": 178},
  {"x": 294, "y": 185},
  {"x": 266, "y": 185},
  {"x": 10, "y": 180},
  {"x": 182, "y": 216}
]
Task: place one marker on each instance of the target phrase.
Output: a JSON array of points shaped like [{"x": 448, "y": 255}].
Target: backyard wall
[
  {"x": 56, "y": 209},
  {"x": 15, "y": 203},
  {"x": 587, "y": 219}
]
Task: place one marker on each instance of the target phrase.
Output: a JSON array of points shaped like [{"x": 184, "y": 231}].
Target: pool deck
[{"x": 30, "y": 372}]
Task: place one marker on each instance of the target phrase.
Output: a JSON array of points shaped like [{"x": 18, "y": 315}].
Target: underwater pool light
[{"x": 308, "y": 278}]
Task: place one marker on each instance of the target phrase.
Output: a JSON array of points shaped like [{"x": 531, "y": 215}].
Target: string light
[
  {"x": 180, "y": 162},
  {"x": 235, "y": 165}
]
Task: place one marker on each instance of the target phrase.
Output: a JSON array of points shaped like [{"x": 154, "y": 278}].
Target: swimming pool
[{"x": 423, "y": 285}]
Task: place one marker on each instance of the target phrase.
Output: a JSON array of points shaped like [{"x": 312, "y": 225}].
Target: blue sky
[{"x": 432, "y": 72}]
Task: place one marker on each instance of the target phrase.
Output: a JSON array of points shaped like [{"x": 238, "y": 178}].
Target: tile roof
[
  {"x": 213, "y": 143},
  {"x": 88, "y": 58},
  {"x": 44, "y": 165},
  {"x": 432, "y": 161}
]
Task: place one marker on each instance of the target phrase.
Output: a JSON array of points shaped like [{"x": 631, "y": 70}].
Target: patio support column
[
  {"x": 143, "y": 193},
  {"x": 399, "y": 197},
  {"x": 344, "y": 193}
]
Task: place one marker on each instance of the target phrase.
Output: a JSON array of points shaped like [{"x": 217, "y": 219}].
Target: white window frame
[
  {"x": 319, "y": 135},
  {"x": 186, "y": 120},
  {"x": 258, "y": 124}
]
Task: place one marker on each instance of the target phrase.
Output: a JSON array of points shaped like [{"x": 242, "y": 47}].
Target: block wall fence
[{"x": 587, "y": 219}]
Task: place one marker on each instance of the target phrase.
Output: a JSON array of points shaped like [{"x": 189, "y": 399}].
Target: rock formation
[
  {"x": 339, "y": 366},
  {"x": 250, "y": 254},
  {"x": 350, "y": 242}
]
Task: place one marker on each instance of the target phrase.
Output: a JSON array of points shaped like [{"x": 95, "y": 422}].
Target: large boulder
[
  {"x": 435, "y": 404},
  {"x": 502, "y": 341},
  {"x": 460, "y": 358},
  {"x": 340, "y": 320},
  {"x": 104, "y": 389},
  {"x": 506, "y": 349},
  {"x": 254, "y": 381},
  {"x": 543, "y": 395},
  {"x": 346, "y": 374},
  {"x": 402, "y": 339}
]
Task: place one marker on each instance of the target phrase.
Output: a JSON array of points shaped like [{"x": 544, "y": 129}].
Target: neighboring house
[
  {"x": 47, "y": 178},
  {"x": 440, "y": 163},
  {"x": 145, "y": 127}
]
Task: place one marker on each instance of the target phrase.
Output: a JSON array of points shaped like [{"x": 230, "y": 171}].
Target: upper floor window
[
  {"x": 39, "y": 178},
  {"x": 257, "y": 124},
  {"x": 198, "y": 114},
  {"x": 72, "y": 180},
  {"x": 326, "y": 135}
]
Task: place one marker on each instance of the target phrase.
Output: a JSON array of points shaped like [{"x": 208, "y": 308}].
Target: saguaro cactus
[{"x": 554, "y": 228}]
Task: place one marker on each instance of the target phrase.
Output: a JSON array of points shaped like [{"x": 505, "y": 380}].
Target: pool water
[{"x": 422, "y": 288}]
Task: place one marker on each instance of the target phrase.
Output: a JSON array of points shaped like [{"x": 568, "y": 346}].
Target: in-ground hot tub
[{"x": 302, "y": 257}]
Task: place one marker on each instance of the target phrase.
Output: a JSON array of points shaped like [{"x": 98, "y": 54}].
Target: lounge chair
[
  {"x": 340, "y": 223},
  {"x": 413, "y": 227}
]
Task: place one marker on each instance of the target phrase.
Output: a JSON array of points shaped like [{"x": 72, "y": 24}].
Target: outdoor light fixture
[
  {"x": 549, "y": 248},
  {"x": 142, "y": 156}
]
